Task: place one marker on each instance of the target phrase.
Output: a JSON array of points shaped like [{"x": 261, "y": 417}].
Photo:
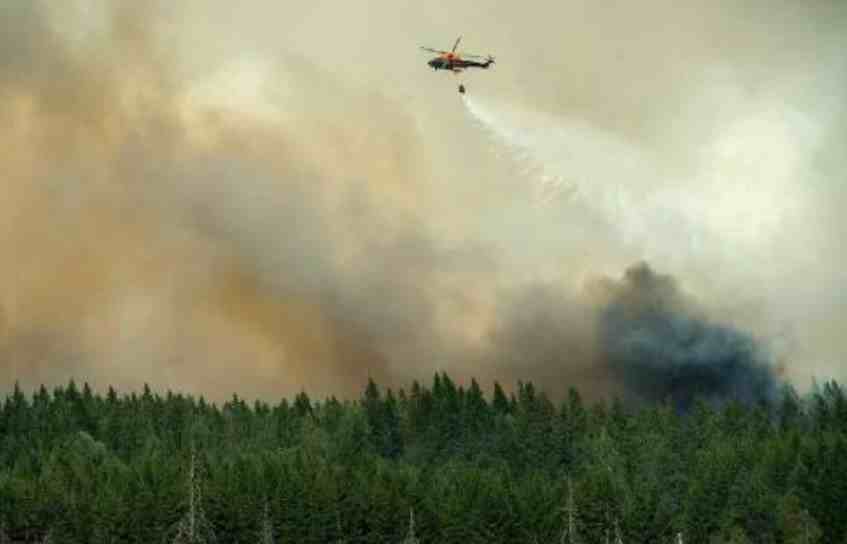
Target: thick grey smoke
[
  {"x": 665, "y": 348},
  {"x": 640, "y": 337}
]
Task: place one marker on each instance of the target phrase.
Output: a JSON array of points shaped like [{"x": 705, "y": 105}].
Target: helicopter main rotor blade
[
  {"x": 434, "y": 50},
  {"x": 455, "y": 45}
]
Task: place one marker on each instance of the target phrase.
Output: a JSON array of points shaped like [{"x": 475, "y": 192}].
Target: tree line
[{"x": 440, "y": 462}]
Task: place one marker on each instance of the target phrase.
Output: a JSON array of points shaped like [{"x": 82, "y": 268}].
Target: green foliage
[{"x": 437, "y": 463}]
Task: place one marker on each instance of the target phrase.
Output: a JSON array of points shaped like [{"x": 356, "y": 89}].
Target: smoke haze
[{"x": 284, "y": 196}]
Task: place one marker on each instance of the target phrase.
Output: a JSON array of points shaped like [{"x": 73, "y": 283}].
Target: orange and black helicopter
[{"x": 457, "y": 62}]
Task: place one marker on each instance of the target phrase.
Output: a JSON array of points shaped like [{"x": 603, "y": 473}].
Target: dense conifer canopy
[{"x": 438, "y": 463}]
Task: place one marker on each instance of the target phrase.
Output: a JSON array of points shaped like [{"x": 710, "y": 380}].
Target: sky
[{"x": 259, "y": 199}]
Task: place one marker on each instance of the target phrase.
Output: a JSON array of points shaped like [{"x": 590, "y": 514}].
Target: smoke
[
  {"x": 659, "y": 344},
  {"x": 751, "y": 192},
  {"x": 279, "y": 198},
  {"x": 664, "y": 347},
  {"x": 153, "y": 240},
  {"x": 640, "y": 337}
]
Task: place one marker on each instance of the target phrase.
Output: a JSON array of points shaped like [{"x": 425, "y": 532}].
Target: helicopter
[{"x": 456, "y": 62}]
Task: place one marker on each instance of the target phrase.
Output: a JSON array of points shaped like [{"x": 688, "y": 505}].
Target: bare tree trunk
[
  {"x": 267, "y": 530},
  {"x": 193, "y": 490},
  {"x": 341, "y": 539},
  {"x": 411, "y": 538},
  {"x": 194, "y": 528},
  {"x": 569, "y": 534}
]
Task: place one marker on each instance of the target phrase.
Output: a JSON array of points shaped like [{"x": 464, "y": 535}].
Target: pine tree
[
  {"x": 796, "y": 524},
  {"x": 736, "y": 536},
  {"x": 302, "y": 404},
  {"x": 500, "y": 403},
  {"x": 392, "y": 439},
  {"x": 476, "y": 409}
]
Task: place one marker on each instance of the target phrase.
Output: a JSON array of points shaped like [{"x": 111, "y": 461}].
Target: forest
[{"x": 431, "y": 463}]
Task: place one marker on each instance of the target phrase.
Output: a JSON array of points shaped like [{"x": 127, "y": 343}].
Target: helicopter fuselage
[
  {"x": 456, "y": 64},
  {"x": 452, "y": 61}
]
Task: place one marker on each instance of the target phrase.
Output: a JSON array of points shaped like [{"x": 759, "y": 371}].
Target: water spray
[
  {"x": 572, "y": 163},
  {"x": 550, "y": 184}
]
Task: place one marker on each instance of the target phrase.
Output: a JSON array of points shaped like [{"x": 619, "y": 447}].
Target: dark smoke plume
[{"x": 664, "y": 348}]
